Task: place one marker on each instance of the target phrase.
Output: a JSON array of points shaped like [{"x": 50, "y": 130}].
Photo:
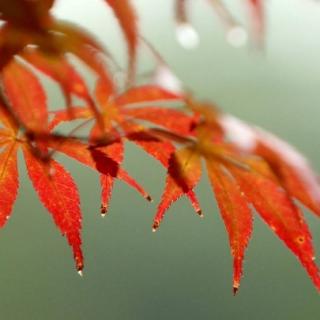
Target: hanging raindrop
[
  {"x": 103, "y": 210},
  {"x": 187, "y": 36},
  {"x": 237, "y": 36}
]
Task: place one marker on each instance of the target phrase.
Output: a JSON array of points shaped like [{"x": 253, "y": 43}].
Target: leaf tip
[
  {"x": 199, "y": 213},
  {"x": 235, "y": 287},
  {"x": 155, "y": 226},
  {"x": 103, "y": 210},
  {"x": 235, "y": 290}
]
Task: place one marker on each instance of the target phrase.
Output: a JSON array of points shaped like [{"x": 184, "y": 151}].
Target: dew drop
[
  {"x": 187, "y": 36},
  {"x": 80, "y": 273},
  {"x": 200, "y": 214},
  {"x": 103, "y": 210},
  {"x": 155, "y": 226},
  {"x": 237, "y": 36}
]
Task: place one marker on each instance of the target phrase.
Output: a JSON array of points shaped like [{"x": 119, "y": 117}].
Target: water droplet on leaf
[
  {"x": 155, "y": 226},
  {"x": 103, "y": 210},
  {"x": 199, "y": 212}
]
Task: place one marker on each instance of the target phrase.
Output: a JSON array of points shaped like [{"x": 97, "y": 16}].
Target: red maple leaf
[
  {"x": 119, "y": 113},
  {"x": 239, "y": 179},
  {"x": 247, "y": 167},
  {"x": 53, "y": 184}
]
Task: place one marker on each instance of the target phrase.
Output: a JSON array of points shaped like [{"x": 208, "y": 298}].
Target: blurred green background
[{"x": 184, "y": 270}]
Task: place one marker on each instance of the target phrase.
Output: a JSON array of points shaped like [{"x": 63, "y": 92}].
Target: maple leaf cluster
[{"x": 248, "y": 168}]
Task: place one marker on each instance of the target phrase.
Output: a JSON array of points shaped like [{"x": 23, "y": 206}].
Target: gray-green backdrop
[{"x": 184, "y": 270}]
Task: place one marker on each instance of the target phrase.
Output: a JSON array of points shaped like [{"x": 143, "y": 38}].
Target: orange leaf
[
  {"x": 9, "y": 127},
  {"x": 159, "y": 149},
  {"x": 288, "y": 164},
  {"x": 109, "y": 167},
  {"x": 106, "y": 160},
  {"x": 115, "y": 152},
  {"x": 126, "y": 15},
  {"x": 184, "y": 172},
  {"x": 9, "y": 182},
  {"x": 280, "y": 213},
  {"x": 235, "y": 213},
  {"x": 146, "y": 93},
  {"x": 72, "y": 113},
  {"x": 107, "y": 182},
  {"x": 26, "y": 14},
  {"x": 74, "y": 149},
  {"x": 59, "y": 69},
  {"x": 171, "y": 119},
  {"x": 103, "y": 91},
  {"x": 11, "y": 42},
  {"x": 293, "y": 171},
  {"x": 27, "y": 101},
  {"x": 83, "y": 46},
  {"x": 58, "y": 192}
]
